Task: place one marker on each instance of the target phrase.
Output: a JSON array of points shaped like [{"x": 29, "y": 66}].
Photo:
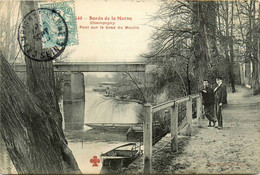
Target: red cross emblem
[{"x": 95, "y": 160}]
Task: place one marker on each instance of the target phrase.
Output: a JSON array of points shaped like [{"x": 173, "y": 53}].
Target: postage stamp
[
  {"x": 67, "y": 11},
  {"x": 43, "y": 27}
]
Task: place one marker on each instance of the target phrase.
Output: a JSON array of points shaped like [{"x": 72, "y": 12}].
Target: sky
[{"x": 108, "y": 45}]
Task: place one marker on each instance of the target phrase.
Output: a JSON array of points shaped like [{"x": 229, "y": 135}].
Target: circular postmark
[{"x": 43, "y": 34}]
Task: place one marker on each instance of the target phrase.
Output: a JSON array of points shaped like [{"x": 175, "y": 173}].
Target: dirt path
[{"x": 235, "y": 149}]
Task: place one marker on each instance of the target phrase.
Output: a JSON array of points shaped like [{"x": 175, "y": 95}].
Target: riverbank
[
  {"x": 92, "y": 135},
  {"x": 87, "y": 143},
  {"x": 235, "y": 149}
]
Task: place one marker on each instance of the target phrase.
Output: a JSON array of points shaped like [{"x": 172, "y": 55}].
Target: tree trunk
[
  {"x": 31, "y": 120},
  {"x": 188, "y": 77},
  {"x": 40, "y": 75},
  {"x": 255, "y": 58},
  {"x": 229, "y": 52},
  {"x": 210, "y": 27},
  {"x": 29, "y": 127},
  {"x": 199, "y": 43},
  {"x": 231, "y": 44},
  {"x": 255, "y": 77}
]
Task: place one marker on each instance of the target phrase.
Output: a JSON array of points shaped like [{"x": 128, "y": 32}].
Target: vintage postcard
[{"x": 130, "y": 86}]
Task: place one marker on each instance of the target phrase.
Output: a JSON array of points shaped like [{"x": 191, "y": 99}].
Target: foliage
[{"x": 195, "y": 40}]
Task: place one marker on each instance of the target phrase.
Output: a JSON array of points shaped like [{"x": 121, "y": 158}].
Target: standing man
[
  {"x": 220, "y": 99},
  {"x": 208, "y": 102}
]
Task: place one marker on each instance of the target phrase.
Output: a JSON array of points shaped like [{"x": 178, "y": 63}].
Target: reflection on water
[
  {"x": 101, "y": 109},
  {"x": 83, "y": 153},
  {"x": 6, "y": 165}
]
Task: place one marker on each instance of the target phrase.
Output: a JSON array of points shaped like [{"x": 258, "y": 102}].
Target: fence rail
[{"x": 175, "y": 126}]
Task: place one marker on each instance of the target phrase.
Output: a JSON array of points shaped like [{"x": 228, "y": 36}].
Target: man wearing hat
[
  {"x": 208, "y": 102},
  {"x": 220, "y": 99}
]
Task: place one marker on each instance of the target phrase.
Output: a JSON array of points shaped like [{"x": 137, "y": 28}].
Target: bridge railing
[{"x": 174, "y": 109}]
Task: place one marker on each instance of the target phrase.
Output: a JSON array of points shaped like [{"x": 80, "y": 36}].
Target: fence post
[
  {"x": 174, "y": 127},
  {"x": 199, "y": 109},
  {"x": 189, "y": 115},
  {"x": 147, "y": 138}
]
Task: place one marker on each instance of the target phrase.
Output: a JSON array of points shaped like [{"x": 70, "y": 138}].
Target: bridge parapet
[{"x": 92, "y": 67}]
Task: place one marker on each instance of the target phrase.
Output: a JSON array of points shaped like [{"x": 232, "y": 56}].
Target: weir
[{"x": 74, "y": 86}]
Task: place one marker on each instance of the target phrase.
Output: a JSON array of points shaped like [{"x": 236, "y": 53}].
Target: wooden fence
[{"x": 175, "y": 126}]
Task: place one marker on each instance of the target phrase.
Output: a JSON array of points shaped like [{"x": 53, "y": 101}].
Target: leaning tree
[{"x": 31, "y": 123}]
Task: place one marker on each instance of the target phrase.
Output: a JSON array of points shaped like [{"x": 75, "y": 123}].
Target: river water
[{"x": 88, "y": 142}]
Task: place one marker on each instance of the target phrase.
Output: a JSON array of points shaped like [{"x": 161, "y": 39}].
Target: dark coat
[
  {"x": 220, "y": 94},
  {"x": 207, "y": 97}
]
